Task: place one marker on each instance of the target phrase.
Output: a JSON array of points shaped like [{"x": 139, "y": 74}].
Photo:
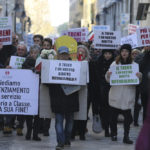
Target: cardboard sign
[
  {"x": 143, "y": 36},
  {"x": 64, "y": 72},
  {"x": 124, "y": 74},
  {"x": 16, "y": 62},
  {"x": 132, "y": 29},
  {"x": 18, "y": 92},
  {"x": 69, "y": 42},
  {"x": 131, "y": 39},
  {"x": 107, "y": 39},
  {"x": 79, "y": 34},
  {"x": 101, "y": 27},
  {"x": 6, "y": 30}
]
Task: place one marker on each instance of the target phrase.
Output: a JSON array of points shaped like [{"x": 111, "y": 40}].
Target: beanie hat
[{"x": 127, "y": 47}]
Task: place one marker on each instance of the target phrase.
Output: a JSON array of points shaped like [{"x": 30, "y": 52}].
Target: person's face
[
  {"x": 46, "y": 45},
  {"x": 14, "y": 40},
  {"x": 107, "y": 55},
  {"x": 37, "y": 41},
  {"x": 134, "y": 54},
  {"x": 82, "y": 52},
  {"x": 34, "y": 54},
  {"x": 63, "y": 56},
  {"x": 124, "y": 54},
  {"x": 21, "y": 50}
]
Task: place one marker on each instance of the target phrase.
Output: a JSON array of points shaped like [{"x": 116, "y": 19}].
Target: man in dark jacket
[{"x": 63, "y": 106}]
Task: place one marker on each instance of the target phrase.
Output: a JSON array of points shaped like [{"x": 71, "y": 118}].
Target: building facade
[{"x": 119, "y": 13}]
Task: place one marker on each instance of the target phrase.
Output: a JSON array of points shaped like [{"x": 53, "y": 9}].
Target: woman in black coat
[{"x": 103, "y": 65}]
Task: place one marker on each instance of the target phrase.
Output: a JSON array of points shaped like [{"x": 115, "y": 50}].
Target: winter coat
[
  {"x": 121, "y": 96},
  {"x": 29, "y": 63},
  {"x": 6, "y": 52},
  {"x": 61, "y": 103},
  {"x": 145, "y": 69}
]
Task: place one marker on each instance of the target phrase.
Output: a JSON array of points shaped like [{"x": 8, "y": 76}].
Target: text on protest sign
[
  {"x": 79, "y": 34},
  {"x": 131, "y": 39},
  {"x": 143, "y": 35},
  {"x": 132, "y": 29},
  {"x": 107, "y": 39},
  {"x": 6, "y": 30},
  {"x": 18, "y": 95},
  {"x": 124, "y": 75},
  {"x": 66, "y": 72},
  {"x": 16, "y": 62}
]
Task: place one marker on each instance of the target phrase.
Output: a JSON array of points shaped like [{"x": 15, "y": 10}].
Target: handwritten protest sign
[
  {"x": 18, "y": 92},
  {"x": 124, "y": 74},
  {"x": 132, "y": 29},
  {"x": 64, "y": 72},
  {"x": 131, "y": 39},
  {"x": 16, "y": 62},
  {"x": 107, "y": 39},
  {"x": 6, "y": 30},
  {"x": 79, "y": 34},
  {"x": 143, "y": 36}
]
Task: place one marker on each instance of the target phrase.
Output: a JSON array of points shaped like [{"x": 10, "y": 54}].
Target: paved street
[{"x": 93, "y": 142}]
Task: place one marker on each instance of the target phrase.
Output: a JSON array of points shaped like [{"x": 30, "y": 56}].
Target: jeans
[{"x": 63, "y": 134}]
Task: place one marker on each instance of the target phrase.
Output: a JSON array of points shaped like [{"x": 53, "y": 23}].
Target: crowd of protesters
[{"x": 106, "y": 101}]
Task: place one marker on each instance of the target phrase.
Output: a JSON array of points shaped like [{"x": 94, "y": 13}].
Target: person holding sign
[
  {"x": 122, "y": 97},
  {"x": 29, "y": 64},
  {"x": 63, "y": 106}
]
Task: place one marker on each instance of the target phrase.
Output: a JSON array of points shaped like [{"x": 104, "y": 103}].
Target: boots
[
  {"x": 126, "y": 140},
  {"x": 28, "y": 135}
]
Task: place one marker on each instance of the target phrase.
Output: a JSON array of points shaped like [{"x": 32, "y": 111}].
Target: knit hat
[{"x": 127, "y": 47}]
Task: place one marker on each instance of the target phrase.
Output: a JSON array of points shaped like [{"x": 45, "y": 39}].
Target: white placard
[
  {"x": 6, "y": 30},
  {"x": 79, "y": 34},
  {"x": 16, "y": 62},
  {"x": 143, "y": 36},
  {"x": 19, "y": 90},
  {"x": 131, "y": 39},
  {"x": 124, "y": 74},
  {"x": 66, "y": 72},
  {"x": 107, "y": 39}
]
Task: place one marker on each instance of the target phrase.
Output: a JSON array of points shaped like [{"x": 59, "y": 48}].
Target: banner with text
[
  {"x": 107, "y": 39},
  {"x": 64, "y": 72},
  {"x": 19, "y": 91},
  {"x": 124, "y": 74},
  {"x": 143, "y": 36},
  {"x": 16, "y": 62},
  {"x": 132, "y": 28},
  {"x": 101, "y": 27},
  {"x": 6, "y": 30},
  {"x": 131, "y": 39},
  {"x": 79, "y": 34}
]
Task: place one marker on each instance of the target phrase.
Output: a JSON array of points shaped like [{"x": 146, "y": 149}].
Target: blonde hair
[{"x": 136, "y": 50}]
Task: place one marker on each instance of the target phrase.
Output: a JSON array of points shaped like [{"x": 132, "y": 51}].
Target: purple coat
[{"x": 143, "y": 141}]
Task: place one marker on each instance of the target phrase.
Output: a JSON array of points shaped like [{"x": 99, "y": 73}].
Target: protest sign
[
  {"x": 69, "y": 42},
  {"x": 130, "y": 39},
  {"x": 18, "y": 92},
  {"x": 64, "y": 72},
  {"x": 16, "y": 62},
  {"x": 101, "y": 27},
  {"x": 124, "y": 74},
  {"x": 132, "y": 29},
  {"x": 79, "y": 34},
  {"x": 107, "y": 39},
  {"x": 6, "y": 30},
  {"x": 143, "y": 36}
]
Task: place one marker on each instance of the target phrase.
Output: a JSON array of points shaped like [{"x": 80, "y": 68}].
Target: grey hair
[
  {"x": 22, "y": 44},
  {"x": 86, "y": 50},
  {"x": 35, "y": 48}
]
